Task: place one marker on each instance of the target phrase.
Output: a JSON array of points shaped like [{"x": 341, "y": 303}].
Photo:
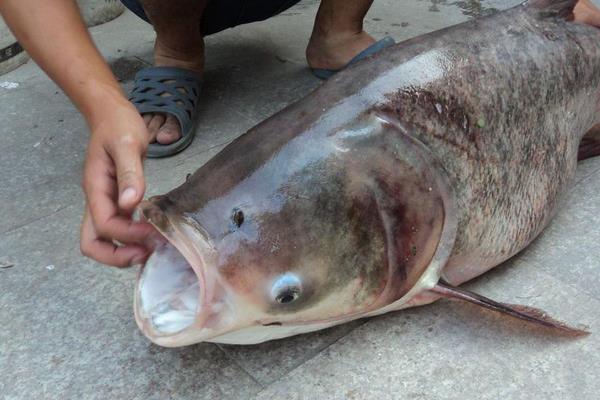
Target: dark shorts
[{"x": 222, "y": 14}]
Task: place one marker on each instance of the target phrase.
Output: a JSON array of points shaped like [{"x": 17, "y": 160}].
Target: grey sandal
[
  {"x": 325, "y": 74},
  {"x": 172, "y": 91}
]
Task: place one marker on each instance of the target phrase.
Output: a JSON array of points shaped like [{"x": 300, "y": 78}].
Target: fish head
[{"x": 321, "y": 230}]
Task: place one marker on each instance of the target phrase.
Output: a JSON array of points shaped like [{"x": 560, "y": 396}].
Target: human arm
[{"x": 53, "y": 33}]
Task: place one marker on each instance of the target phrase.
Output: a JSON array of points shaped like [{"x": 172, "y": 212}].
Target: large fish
[{"x": 398, "y": 179}]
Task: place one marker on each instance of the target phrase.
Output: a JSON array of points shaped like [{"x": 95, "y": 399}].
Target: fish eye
[
  {"x": 287, "y": 296},
  {"x": 237, "y": 217},
  {"x": 286, "y": 289}
]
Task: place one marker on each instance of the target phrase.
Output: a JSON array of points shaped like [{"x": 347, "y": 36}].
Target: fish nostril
[{"x": 238, "y": 217}]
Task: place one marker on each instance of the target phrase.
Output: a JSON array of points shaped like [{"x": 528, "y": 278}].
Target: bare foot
[
  {"x": 164, "y": 128},
  {"x": 587, "y": 13},
  {"x": 334, "y": 50}
]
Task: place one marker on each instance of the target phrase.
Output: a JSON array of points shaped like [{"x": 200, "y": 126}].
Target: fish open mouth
[
  {"x": 172, "y": 295},
  {"x": 169, "y": 291}
]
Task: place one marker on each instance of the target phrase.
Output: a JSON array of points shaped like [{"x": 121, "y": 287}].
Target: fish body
[{"x": 431, "y": 162}]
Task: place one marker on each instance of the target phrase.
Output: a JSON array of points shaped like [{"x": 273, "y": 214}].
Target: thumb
[{"x": 130, "y": 174}]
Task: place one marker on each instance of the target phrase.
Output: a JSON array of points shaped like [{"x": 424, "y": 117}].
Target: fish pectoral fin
[
  {"x": 590, "y": 144},
  {"x": 529, "y": 314}
]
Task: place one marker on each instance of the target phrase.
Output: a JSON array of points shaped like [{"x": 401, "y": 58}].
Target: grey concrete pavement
[{"x": 67, "y": 328}]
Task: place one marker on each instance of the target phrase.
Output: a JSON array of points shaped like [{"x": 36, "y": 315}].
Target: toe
[
  {"x": 152, "y": 134},
  {"x": 154, "y": 125},
  {"x": 169, "y": 132}
]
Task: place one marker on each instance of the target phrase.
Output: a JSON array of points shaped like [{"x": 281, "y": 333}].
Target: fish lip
[{"x": 193, "y": 244}]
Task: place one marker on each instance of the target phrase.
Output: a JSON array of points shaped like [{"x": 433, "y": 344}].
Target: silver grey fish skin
[
  {"x": 504, "y": 116},
  {"x": 475, "y": 129},
  {"x": 506, "y": 120}
]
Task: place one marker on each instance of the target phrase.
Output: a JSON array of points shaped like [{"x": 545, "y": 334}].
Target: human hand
[{"x": 114, "y": 185}]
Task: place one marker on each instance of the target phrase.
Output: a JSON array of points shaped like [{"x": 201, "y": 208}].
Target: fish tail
[{"x": 553, "y": 8}]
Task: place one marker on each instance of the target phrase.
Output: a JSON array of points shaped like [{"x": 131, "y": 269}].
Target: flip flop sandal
[
  {"x": 172, "y": 91},
  {"x": 369, "y": 51}
]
